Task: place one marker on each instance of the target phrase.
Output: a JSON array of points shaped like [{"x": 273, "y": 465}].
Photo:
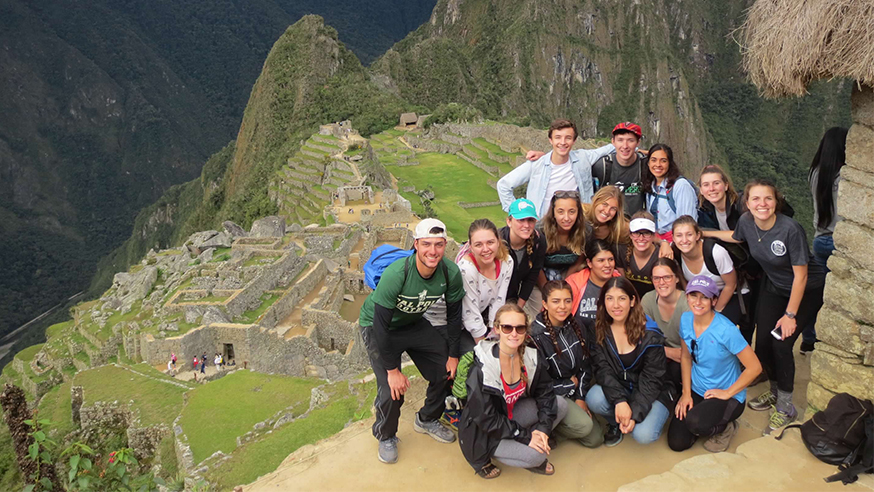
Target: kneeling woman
[
  {"x": 629, "y": 359},
  {"x": 563, "y": 344},
  {"x": 714, "y": 387},
  {"x": 511, "y": 405}
]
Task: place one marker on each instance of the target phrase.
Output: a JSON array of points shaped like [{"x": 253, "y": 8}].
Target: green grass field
[
  {"x": 454, "y": 180},
  {"x": 263, "y": 456},
  {"x": 219, "y": 412},
  {"x": 157, "y": 402},
  {"x": 55, "y": 406}
]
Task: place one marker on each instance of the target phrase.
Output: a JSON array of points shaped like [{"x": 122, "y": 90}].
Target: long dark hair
[
  {"x": 673, "y": 170},
  {"x": 635, "y": 324},
  {"x": 829, "y": 159},
  {"x": 569, "y": 322}
]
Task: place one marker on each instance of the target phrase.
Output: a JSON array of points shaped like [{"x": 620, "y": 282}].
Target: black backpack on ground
[{"x": 841, "y": 435}]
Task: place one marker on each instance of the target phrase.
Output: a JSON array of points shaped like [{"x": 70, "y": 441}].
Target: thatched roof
[{"x": 789, "y": 43}]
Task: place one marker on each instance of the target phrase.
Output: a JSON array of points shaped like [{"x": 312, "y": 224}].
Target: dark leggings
[
  {"x": 776, "y": 356},
  {"x": 706, "y": 418}
]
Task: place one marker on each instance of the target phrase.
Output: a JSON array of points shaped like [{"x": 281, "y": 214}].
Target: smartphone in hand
[{"x": 777, "y": 333}]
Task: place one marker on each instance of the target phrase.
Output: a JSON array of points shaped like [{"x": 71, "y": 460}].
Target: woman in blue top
[
  {"x": 714, "y": 386},
  {"x": 668, "y": 194}
]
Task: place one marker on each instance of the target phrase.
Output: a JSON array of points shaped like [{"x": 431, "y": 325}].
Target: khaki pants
[{"x": 580, "y": 426}]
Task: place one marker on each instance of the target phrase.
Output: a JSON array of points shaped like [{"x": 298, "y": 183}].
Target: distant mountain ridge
[{"x": 104, "y": 108}]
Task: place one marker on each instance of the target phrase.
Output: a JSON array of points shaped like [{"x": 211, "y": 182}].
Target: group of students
[{"x": 611, "y": 291}]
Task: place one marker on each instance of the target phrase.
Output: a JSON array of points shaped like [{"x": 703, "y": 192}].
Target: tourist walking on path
[
  {"x": 565, "y": 230},
  {"x": 528, "y": 248},
  {"x": 392, "y": 322},
  {"x": 486, "y": 267},
  {"x": 699, "y": 256},
  {"x": 587, "y": 283},
  {"x": 511, "y": 405},
  {"x": 557, "y": 170},
  {"x": 563, "y": 343},
  {"x": 668, "y": 194},
  {"x": 173, "y": 359},
  {"x": 791, "y": 293},
  {"x": 629, "y": 358},
  {"x": 194, "y": 363},
  {"x": 714, "y": 385}
]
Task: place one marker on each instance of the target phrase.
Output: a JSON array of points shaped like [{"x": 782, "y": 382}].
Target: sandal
[
  {"x": 489, "y": 471},
  {"x": 546, "y": 468}
]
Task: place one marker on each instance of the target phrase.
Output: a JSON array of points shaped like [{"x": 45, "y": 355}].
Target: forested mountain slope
[{"x": 105, "y": 105}]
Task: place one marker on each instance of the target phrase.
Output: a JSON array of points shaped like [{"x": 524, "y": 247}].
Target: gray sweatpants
[{"x": 513, "y": 453}]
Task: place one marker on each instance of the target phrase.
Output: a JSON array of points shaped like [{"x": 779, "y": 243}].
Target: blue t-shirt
[{"x": 718, "y": 366}]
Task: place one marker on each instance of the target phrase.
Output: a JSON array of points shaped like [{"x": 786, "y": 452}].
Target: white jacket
[{"x": 478, "y": 295}]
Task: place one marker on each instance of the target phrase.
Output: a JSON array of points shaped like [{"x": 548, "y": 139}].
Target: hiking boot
[
  {"x": 780, "y": 419},
  {"x": 434, "y": 429},
  {"x": 720, "y": 442},
  {"x": 613, "y": 436},
  {"x": 450, "y": 419},
  {"x": 388, "y": 450},
  {"x": 763, "y": 402},
  {"x": 808, "y": 347}
]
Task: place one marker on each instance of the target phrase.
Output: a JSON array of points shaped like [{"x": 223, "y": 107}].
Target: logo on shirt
[{"x": 778, "y": 248}]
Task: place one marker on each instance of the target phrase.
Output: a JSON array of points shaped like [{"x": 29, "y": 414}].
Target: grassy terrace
[
  {"x": 263, "y": 456},
  {"x": 267, "y": 300},
  {"x": 260, "y": 260},
  {"x": 219, "y": 412},
  {"x": 55, "y": 406},
  {"x": 156, "y": 401},
  {"x": 453, "y": 180}
]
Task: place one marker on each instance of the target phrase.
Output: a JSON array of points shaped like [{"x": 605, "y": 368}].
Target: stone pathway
[{"x": 752, "y": 462}]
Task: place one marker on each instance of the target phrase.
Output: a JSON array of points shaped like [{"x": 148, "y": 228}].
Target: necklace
[{"x": 763, "y": 235}]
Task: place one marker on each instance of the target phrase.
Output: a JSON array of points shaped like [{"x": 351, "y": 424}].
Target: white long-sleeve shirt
[{"x": 479, "y": 293}]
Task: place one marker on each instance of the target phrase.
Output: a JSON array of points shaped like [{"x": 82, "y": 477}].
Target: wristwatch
[{"x": 790, "y": 315}]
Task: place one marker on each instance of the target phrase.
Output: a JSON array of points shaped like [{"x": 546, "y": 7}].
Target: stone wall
[
  {"x": 432, "y": 146},
  {"x": 332, "y": 331},
  {"x": 844, "y": 359},
  {"x": 493, "y": 170},
  {"x": 250, "y": 296},
  {"x": 286, "y": 304}
]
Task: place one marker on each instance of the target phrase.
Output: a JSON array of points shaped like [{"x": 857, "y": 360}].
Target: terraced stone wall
[{"x": 844, "y": 360}]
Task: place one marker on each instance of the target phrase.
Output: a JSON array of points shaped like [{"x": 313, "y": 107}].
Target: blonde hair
[
  {"x": 487, "y": 225},
  {"x": 512, "y": 307},
  {"x": 618, "y": 225},
  {"x": 730, "y": 192}
]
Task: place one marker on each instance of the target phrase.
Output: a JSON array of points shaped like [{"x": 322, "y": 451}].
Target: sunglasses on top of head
[{"x": 565, "y": 194}]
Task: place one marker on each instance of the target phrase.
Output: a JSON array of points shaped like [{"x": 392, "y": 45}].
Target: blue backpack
[
  {"x": 379, "y": 260},
  {"x": 670, "y": 196}
]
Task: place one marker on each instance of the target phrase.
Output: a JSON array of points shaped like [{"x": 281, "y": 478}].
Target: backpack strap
[
  {"x": 709, "y": 262},
  {"x": 790, "y": 426},
  {"x": 608, "y": 170}
]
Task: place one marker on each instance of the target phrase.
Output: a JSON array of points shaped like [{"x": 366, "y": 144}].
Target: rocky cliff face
[{"x": 534, "y": 61}]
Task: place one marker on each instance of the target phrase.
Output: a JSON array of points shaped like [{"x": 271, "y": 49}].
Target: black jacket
[
  {"x": 484, "y": 422},
  {"x": 574, "y": 360},
  {"x": 641, "y": 383},
  {"x": 524, "y": 277}
]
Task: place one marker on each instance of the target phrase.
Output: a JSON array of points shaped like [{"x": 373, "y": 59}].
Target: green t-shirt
[{"x": 417, "y": 296}]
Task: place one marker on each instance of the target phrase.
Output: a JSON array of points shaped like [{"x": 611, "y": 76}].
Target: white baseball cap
[
  {"x": 427, "y": 227},
  {"x": 641, "y": 224}
]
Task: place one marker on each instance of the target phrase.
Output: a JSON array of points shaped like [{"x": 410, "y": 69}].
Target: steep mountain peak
[{"x": 306, "y": 55}]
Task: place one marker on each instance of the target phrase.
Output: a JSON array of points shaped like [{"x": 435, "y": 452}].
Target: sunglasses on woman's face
[{"x": 507, "y": 329}]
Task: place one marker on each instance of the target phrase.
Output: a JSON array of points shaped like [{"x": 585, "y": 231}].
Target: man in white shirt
[{"x": 558, "y": 170}]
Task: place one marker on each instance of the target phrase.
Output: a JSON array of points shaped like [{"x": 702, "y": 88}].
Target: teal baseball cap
[{"x": 523, "y": 208}]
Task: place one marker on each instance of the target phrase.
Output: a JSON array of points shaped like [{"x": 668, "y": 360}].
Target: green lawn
[
  {"x": 27, "y": 354},
  {"x": 454, "y": 180},
  {"x": 219, "y": 412},
  {"x": 252, "y": 316},
  {"x": 157, "y": 402},
  {"x": 55, "y": 406},
  {"x": 263, "y": 456}
]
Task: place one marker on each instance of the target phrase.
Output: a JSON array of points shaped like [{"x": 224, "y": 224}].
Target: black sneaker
[
  {"x": 613, "y": 436},
  {"x": 808, "y": 347}
]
